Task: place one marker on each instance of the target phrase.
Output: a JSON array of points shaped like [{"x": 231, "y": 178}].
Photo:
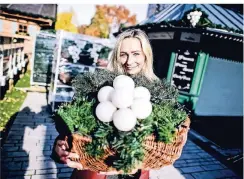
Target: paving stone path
[{"x": 26, "y": 151}]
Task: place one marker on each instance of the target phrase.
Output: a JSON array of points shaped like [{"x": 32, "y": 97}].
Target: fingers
[
  {"x": 62, "y": 143},
  {"x": 63, "y": 147},
  {"x": 73, "y": 155},
  {"x": 60, "y": 149},
  {"x": 109, "y": 173},
  {"x": 74, "y": 164},
  {"x": 63, "y": 159},
  {"x": 116, "y": 172},
  {"x": 65, "y": 156}
]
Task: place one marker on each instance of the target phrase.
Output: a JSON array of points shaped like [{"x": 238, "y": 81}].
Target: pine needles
[{"x": 80, "y": 117}]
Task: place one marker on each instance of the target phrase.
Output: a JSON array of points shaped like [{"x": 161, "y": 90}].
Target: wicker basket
[{"x": 157, "y": 154}]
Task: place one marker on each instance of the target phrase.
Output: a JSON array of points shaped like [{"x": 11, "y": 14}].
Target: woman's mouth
[{"x": 131, "y": 67}]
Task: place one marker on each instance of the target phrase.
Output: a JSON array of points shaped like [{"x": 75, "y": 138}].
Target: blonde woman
[{"x": 132, "y": 55}]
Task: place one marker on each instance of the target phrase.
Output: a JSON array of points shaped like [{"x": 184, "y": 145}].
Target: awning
[{"x": 216, "y": 14}]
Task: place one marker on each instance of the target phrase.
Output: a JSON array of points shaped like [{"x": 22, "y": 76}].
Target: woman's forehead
[{"x": 130, "y": 44}]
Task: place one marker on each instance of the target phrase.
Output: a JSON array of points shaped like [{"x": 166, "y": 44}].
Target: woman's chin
[{"x": 132, "y": 72}]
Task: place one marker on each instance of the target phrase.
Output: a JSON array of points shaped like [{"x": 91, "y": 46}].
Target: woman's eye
[
  {"x": 136, "y": 54},
  {"x": 122, "y": 55}
]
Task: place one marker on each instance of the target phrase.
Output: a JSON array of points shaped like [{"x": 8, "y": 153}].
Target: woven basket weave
[{"x": 157, "y": 154}]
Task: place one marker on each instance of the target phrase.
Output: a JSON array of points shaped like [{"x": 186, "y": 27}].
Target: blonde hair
[{"x": 147, "y": 69}]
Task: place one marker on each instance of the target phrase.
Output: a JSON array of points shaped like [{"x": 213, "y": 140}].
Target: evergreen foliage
[{"x": 80, "y": 117}]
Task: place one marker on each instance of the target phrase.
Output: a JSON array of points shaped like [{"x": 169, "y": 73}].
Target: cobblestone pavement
[{"x": 26, "y": 151}]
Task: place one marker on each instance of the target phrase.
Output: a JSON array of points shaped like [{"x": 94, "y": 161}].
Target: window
[{"x": 22, "y": 28}]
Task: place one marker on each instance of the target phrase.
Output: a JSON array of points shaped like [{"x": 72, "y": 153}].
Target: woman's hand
[
  {"x": 117, "y": 173},
  {"x": 109, "y": 173},
  {"x": 61, "y": 150}
]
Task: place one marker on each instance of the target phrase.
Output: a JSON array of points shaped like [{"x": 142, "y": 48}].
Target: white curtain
[{"x": 222, "y": 89}]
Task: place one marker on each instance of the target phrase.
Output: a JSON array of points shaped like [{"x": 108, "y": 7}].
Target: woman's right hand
[{"x": 64, "y": 156}]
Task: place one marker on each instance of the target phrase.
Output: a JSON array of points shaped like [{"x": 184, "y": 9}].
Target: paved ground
[{"x": 28, "y": 147}]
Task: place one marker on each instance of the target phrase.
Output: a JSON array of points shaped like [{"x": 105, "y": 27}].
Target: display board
[
  {"x": 43, "y": 58},
  {"x": 75, "y": 54},
  {"x": 184, "y": 67}
]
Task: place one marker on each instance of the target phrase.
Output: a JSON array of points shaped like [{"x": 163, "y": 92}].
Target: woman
[{"x": 132, "y": 55}]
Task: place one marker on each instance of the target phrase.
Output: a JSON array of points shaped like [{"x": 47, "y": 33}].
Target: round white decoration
[
  {"x": 142, "y": 93},
  {"x": 122, "y": 98},
  {"x": 105, "y": 111},
  {"x": 104, "y": 94},
  {"x": 141, "y": 108},
  {"x": 123, "y": 81},
  {"x": 124, "y": 119}
]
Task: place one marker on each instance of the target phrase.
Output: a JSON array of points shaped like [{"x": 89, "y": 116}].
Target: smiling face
[{"x": 132, "y": 56}]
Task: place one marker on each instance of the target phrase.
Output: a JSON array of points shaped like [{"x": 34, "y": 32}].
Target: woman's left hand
[
  {"x": 109, "y": 173},
  {"x": 117, "y": 173}
]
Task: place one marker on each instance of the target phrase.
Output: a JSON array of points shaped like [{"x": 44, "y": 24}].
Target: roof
[
  {"x": 47, "y": 11},
  {"x": 216, "y": 14}
]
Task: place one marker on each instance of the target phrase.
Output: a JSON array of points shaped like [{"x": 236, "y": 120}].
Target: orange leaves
[
  {"x": 132, "y": 20},
  {"x": 105, "y": 16}
]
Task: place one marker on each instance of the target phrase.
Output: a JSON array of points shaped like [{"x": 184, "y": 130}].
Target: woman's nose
[{"x": 130, "y": 60}]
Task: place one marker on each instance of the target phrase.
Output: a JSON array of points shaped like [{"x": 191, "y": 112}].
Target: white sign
[
  {"x": 190, "y": 37},
  {"x": 161, "y": 35}
]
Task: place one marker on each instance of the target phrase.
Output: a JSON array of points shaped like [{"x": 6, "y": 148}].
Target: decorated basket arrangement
[{"x": 120, "y": 123}]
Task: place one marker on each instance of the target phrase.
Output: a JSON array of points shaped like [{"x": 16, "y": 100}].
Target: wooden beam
[
  {"x": 13, "y": 19},
  {"x": 21, "y": 21},
  {"x": 15, "y": 36},
  {"x": 44, "y": 25},
  {"x": 2, "y": 17},
  {"x": 32, "y": 23},
  {"x": 49, "y": 21},
  {"x": 12, "y": 46}
]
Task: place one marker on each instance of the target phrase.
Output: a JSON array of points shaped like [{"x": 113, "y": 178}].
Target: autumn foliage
[
  {"x": 64, "y": 22},
  {"x": 106, "y": 18}
]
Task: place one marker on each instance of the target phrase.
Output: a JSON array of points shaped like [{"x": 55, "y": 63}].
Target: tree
[
  {"x": 106, "y": 20},
  {"x": 64, "y": 22}
]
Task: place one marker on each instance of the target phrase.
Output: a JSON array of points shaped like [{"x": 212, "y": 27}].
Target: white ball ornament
[
  {"x": 142, "y": 92},
  {"x": 105, "y": 94},
  {"x": 141, "y": 108},
  {"x": 105, "y": 111},
  {"x": 122, "y": 98},
  {"x": 123, "y": 81},
  {"x": 124, "y": 119}
]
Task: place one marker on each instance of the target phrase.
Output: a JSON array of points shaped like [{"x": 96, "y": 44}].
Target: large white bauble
[
  {"x": 123, "y": 81},
  {"x": 105, "y": 111},
  {"x": 105, "y": 94},
  {"x": 142, "y": 93},
  {"x": 122, "y": 97},
  {"x": 124, "y": 119},
  {"x": 141, "y": 108}
]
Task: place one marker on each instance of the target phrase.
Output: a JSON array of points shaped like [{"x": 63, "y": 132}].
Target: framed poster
[
  {"x": 43, "y": 58},
  {"x": 75, "y": 54}
]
